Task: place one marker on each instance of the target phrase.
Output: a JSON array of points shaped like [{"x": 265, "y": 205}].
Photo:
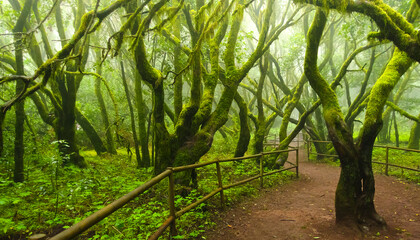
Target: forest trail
[{"x": 304, "y": 209}]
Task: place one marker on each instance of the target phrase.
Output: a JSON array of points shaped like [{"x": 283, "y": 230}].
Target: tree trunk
[
  {"x": 258, "y": 144},
  {"x": 18, "y": 175},
  {"x": 90, "y": 131},
  {"x": 142, "y": 115},
  {"x": 132, "y": 119},
  {"x": 104, "y": 113},
  {"x": 397, "y": 135},
  {"x": 244, "y": 134},
  {"x": 413, "y": 142},
  {"x": 2, "y": 117}
]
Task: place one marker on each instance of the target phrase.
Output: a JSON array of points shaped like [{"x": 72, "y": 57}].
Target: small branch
[{"x": 402, "y": 112}]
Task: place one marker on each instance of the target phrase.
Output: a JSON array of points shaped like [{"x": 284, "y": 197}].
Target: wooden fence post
[
  {"x": 219, "y": 179},
  {"x": 261, "y": 171},
  {"x": 386, "y": 161},
  {"x": 297, "y": 162},
  {"x": 172, "y": 203}
]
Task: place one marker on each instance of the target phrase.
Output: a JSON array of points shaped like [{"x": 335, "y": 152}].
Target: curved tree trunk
[{"x": 90, "y": 131}]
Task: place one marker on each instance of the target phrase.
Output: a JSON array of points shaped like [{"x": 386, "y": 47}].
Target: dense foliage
[{"x": 99, "y": 96}]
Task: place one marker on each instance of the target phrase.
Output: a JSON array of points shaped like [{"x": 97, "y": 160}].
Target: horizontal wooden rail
[
  {"x": 86, "y": 223},
  {"x": 277, "y": 171},
  {"x": 279, "y": 151},
  {"x": 240, "y": 158},
  {"x": 386, "y": 163},
  {"x": 193, "y": 166},
  {"x": 325, "y": 155},
  {"x": 320, "y": 141},
  {"x": 398, "y": 148},
  {"x": 241, "y": 182},
  {"x": 393, "y": 165}
]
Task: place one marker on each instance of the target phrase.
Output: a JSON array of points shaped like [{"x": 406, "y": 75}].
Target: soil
[{"x": 304, "y": 209}]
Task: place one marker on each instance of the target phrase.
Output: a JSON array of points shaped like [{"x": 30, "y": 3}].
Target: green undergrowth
[
  {"x": 400, "y": 158},
  {"x": 55, "y": 197}
]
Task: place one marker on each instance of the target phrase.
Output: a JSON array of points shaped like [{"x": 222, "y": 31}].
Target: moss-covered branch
[
  {"x": 398, "y": 65},
  {"x": 402, "y": 112},
  {"x": 393, "y": 25},
  {"x": 48, "y": 66}
]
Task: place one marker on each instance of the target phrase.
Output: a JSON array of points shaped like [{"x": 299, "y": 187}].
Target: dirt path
[{"x": 304, "y": 209}]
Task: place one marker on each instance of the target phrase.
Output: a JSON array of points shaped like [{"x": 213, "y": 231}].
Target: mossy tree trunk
[
  {"x": 384, "y": 135},
  {"x": 18, "y": 173},
  {"x": 142, "y": 120},
  {"x": 197, "y": 122},
  {"x": 259, "y": 136},
  {"x": 178, "y": 84},
  {"x": 244, "y": 134},
  {"x": 2, "y": 117},
  {"x": 355, "y": 190},
  {"x": 90, "y": 131},
  {"x": 67, "y": 86},
  {"x": 132, "y": 117},
  {"x": 110, "y": 146},
  {"x": 413, "y": 142}
]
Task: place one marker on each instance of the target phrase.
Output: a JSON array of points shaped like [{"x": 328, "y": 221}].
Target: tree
[{"x": 355, "y": 190}]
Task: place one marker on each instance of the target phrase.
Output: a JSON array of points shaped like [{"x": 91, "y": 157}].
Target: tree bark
[
  {"x": 142, "y": 116},
  {"x": 104, "y": 113},
  {"x": 18, "y": 174},
  {"x": 244, "y": 134},
  {"x": 132, "y": 119},
  {"x": 90, "y": 131},
  {"x": 414, "y": 140}
]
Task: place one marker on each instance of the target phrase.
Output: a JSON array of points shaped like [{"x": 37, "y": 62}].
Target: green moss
[
  {"x": 398, "y": 65},
  {"x": 229, "y": 56}
]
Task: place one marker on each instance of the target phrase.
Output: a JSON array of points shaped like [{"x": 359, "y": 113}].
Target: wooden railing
[
  {"x": 386, "y": 163},
  {"x": 96, "y": 217}
]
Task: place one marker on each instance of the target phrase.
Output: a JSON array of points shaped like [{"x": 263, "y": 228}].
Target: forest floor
[{"x": 304, "y": 209}]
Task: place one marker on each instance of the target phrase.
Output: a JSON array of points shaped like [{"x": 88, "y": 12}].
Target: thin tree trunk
[
  {"x": 397, "y": 135},
  {"x": 132, "y": 119},
  {"x": 104, "y": 113},
  {"x": 90, "y": 132},
  {"x": 2, "y": 116},
  {"x": 142, "y": 115},
  {"x": 244, "y": 134},
  {"x": 18, "y": 175},
  {"x": 414, "y": 140}
]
